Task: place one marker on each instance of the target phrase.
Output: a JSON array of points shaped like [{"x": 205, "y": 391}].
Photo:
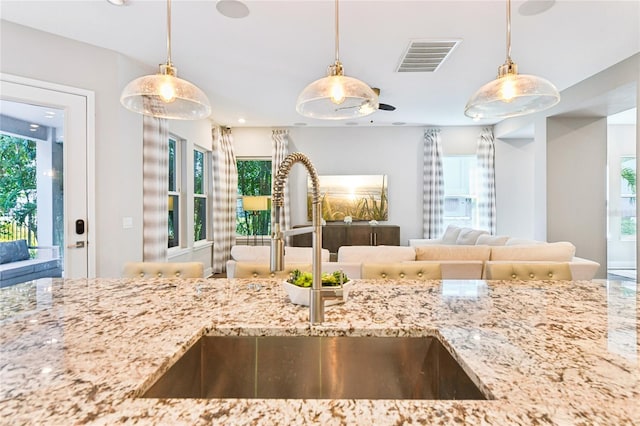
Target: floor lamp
[{"x": 255, "y": 205}]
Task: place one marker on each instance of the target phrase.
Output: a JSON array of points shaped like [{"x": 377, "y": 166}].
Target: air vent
[{"x": 426, "y": 55}]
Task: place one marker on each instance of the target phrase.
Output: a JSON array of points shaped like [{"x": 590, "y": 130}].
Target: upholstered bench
[
  {"x": 17, "y": 266},
  {"x": 163, "y": 270},
  {"x": 401, "y": 271}
]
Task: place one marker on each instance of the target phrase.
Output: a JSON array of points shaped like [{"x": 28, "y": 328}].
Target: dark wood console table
[{"x": 356, "y": 234}]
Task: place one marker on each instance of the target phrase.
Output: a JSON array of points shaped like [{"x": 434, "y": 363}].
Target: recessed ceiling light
[
  {"x": 118, "y": 2},
  {"x": 232, "y": 8},
  {"x": 299, "y": 124},
  {"x": 241, "y": 120},
  {"x": 34, "y": 126},
  {"x": 398, "y": 123}
]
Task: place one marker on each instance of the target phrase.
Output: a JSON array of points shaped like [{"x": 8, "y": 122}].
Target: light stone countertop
[{"x": 80, "y": 351}]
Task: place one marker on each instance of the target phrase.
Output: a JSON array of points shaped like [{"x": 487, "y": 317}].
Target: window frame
[
  {"x": 175, "y": 193},
  {"x": 205, "y": 195},
  {"x": 472, "y": 195},
  {"x": 247, "y": 238}
]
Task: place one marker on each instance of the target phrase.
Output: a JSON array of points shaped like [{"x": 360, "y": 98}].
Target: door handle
[{"x": 78, "y": 244}]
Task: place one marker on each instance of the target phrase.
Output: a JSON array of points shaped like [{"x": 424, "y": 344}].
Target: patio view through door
[{"x": 50, "y": 125}]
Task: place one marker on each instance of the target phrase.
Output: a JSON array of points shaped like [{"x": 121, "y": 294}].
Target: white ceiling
[{"x": 255, "y": 67}]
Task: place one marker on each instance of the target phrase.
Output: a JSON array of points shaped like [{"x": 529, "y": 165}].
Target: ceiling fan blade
[{"x": 386, "y": 107}]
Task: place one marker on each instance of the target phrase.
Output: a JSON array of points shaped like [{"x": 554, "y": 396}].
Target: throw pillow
[
  {"x": 450, "y": 234},
  {"x": 469, "y": 236},
  {"x": 492, "y": 240},
  {"x": 14, "y": 251}
]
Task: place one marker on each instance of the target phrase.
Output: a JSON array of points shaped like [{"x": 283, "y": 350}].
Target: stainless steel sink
[{"x": 316, "y": 368}]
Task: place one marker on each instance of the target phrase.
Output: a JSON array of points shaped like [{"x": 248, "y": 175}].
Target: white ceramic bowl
[{"x": 300, "y": 295}]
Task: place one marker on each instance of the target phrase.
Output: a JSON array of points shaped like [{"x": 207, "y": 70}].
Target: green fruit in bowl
[{"x": 305, "y": 279}]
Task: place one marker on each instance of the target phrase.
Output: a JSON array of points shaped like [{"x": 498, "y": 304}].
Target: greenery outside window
[
  {"x": 460, "y": 191},
  {"x": 18, "y": 201},
  {"x": 254, "y": 178},
  {"x": 174, "y": 192},
  {"x": 200, "y": 183},
  {"x": 628, "y": 198}
]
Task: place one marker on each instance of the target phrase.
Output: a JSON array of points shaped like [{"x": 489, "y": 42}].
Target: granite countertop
[{"x": 81, "y": 351}]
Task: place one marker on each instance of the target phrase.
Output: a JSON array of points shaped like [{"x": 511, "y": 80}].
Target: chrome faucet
[{"x": 318, "y": 294}]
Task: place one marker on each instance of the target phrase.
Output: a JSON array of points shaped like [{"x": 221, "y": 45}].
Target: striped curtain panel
[
  {"x": 225, "y": 196},
  {"x": 280, "y": 149},
  {"x": 433, "y": 185},
  {"x": 487, "y": 181},
  {"x": 155, "y": 184}
]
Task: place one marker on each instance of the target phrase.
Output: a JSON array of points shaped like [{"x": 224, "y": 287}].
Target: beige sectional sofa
[{"x": 461, "y": 255}]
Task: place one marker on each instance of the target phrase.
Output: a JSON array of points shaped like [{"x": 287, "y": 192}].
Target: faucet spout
[{"x": 317, "y": 295}]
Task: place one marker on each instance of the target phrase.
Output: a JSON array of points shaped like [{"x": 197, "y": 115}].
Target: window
[
  {"x": 200, "y": 184},
  {"x": 460, "y": 191},
  {"x": 628, "y": 198},
  {"x": 254, "y": 178},
  {"x": 174, "y": 192}
]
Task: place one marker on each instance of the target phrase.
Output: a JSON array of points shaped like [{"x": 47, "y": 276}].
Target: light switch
[{"x": 127, "y": 222}]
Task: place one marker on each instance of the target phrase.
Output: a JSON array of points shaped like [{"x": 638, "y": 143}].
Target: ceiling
[{"x": 255, "y": 67}]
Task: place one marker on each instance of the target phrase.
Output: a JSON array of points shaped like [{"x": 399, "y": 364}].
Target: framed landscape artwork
[{"x": 363, "y": 197}]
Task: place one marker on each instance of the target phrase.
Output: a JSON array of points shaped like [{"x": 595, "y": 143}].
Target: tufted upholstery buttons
[
  {"x": 272, "y": 275},
  {"x": 513, "y": 276},
  {"x": 159, "y": 274},
  {"x": 550, "y": 274},
  {"x": 383, "y": 275},
  {"x": 177, "y": 273},
  {"x": 141, "y": 274},
  {"x": 420, "y": 274},
  {"x": 255, "y": 275},
  {"x": 531, "y": 275},
  {"x": 401, "y": 274}
]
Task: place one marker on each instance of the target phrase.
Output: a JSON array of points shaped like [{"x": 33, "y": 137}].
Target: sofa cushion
[
  {"x": 13, "y": 251},
  {"x": 376, "y": 254},
  {"x": 562, "y": 251},
  {"x": 468, "y": 236},
  {"x": 453, "y": 252},
  {"x": 492, "y": 240},
  {"x": 522, "y": 242},
  {"x": 262, "y": 254},
  {"x": 450, "y": 234}
]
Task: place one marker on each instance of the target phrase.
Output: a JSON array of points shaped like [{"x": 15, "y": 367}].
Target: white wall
[
  {"x": 394, "y": 151},
  {"x": 576, "y": 185},
  {"x": 118, "y": 143},
  {"x": 515, "y": 186}
]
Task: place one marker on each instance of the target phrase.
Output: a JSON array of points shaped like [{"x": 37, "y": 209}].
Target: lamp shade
[
  {"x": 337, "y": 97},
  {"x": 165, "y": 96},
  {"x": 512, "y": 95},
  {"x": 256, "y": 203}
]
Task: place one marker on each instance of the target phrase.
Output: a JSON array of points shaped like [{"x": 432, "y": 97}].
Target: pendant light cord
[
  {"x": 508, "y": 31},
  {"x": 337, "y": 34},
  {"x": 169, "y": 33}
]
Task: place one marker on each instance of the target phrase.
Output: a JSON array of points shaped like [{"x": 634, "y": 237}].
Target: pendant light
[
  {"x": 164, "y": 95},
  {"x": 337, "y": 96},
  {"x": 511, "y": 94}
]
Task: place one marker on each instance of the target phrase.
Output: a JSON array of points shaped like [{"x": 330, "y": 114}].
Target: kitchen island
[{"x": 83, "y": 351}]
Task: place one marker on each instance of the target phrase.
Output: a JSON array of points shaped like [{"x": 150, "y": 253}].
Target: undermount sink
[{"x": 316, "y": 368}]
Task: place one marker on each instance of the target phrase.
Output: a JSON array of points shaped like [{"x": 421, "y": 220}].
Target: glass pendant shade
[
  {"x": 512, "y": 95},
  {"x": 337, "y": 97},
  {"x": 164, "y": 95}
]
